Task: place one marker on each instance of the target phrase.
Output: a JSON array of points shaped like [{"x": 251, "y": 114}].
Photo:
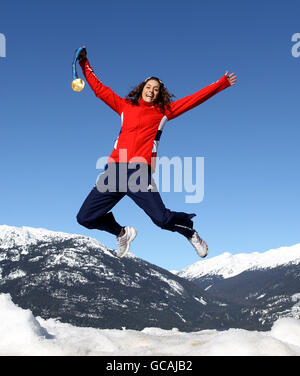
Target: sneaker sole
[
  {"x": 204, "y": 254},
  {"x": 132, "y": 235}
]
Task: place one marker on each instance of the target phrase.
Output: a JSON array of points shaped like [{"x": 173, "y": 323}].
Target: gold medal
[{"x": 78, "y": 84}]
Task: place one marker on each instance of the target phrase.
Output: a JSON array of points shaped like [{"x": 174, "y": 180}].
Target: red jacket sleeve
[
  {"x": 101, "y": 91},
  {"x": 187, "y": 103}
]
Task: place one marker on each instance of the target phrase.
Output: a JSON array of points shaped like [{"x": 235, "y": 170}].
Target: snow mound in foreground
[{"x": 23, "y": 334}]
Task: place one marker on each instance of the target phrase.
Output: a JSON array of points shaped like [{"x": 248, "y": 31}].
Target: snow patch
[
  {"x": 296, "y": 307},
  {"x": 16, "y": 274},
  {"x": 200, "y": 300},
  {"x": 175, "y": 286}
]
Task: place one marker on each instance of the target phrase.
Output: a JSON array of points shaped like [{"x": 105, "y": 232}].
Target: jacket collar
[{"x": 144, "y": 103}]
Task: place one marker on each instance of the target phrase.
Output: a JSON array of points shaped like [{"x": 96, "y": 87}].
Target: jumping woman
[{"x": 144, "y": 113}]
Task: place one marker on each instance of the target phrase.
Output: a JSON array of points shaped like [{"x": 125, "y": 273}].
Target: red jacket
[{"x": 142, "y": 125}]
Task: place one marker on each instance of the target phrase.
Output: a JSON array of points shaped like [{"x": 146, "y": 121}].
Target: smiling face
[{"x": 151, "y": 91}]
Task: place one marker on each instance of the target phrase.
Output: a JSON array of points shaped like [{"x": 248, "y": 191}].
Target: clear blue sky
[{"x": 249, "y": 134}]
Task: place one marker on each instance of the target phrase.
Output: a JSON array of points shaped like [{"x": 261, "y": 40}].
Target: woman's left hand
[{"x": 231, "y": 78}]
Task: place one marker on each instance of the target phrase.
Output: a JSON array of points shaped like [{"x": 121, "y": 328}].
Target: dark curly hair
[{"x": 163, "y": 99}]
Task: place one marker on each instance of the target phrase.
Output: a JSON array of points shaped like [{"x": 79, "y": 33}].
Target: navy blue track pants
[{"x": 95, "y": 212}]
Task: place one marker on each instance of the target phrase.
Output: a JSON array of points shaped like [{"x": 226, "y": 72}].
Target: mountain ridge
[
  {"x": 228, "y": 265},
  {"x": 78, "y": 280}
]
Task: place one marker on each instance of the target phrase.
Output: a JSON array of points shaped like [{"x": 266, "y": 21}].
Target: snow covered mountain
[
  {"x": 79, "y": 281},
  {"x": 267, "y": 284},
  {"x": 228, "y": 265}
]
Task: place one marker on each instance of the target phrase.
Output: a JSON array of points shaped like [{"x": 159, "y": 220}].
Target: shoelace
[
  {"x": 198, "y": 239},
  {"x": 122, "y": 240}
]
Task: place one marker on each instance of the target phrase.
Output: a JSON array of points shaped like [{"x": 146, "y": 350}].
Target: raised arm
[
  {"x": 101, "y": 91},
  {"x": 187, "y": 103}
]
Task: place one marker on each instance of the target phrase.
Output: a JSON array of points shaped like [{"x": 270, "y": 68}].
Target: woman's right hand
[{"x": 83, "y": 54}]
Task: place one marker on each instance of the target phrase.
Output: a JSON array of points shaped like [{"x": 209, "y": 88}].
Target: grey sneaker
[
  {"x": 199, "y": 245},
  {"x": 125, "y": 240}
]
